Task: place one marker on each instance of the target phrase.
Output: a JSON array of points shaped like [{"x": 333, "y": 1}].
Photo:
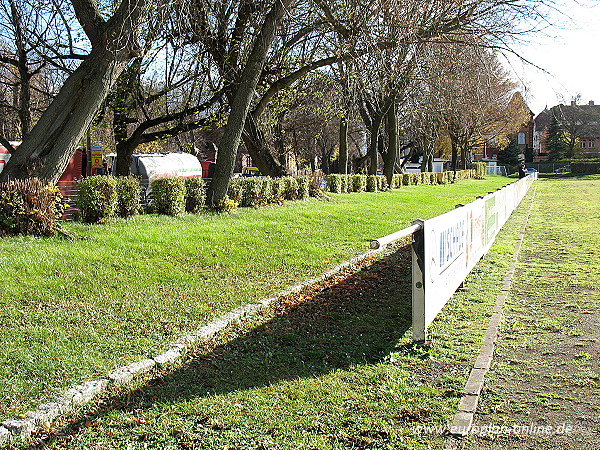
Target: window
[
  {"x": 591, "y": 144},
  {"x": 582, "y": 144},
  {"x": 521, "y": 139}
]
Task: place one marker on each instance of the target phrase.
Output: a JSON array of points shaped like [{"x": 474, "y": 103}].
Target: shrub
[
  {"x": 441, "y": 178},
  {"x": 397, "y": 180},
  {"x": 168, "y": 196},
  {"x": 585, "y": 167},
  {"x": 29, "y": 207},
  {"x": 359, "y": 183},
  {"x": 277, "y": 190},
  {"x": 406, "y": 179},
  {"x": 334, "y": 183},
  {"x": 97, "y": 198},
  {"x": 235, "y": 190},
  {"x": 226, "y": 205},
  {"x": 433, "y": 178},
  {"x": 266, "y": 190},
  {"x": 128, "y": 196},
  {"x": 303, "y": 187},
  {"x": 291, "y": 188},
  {"x": 256, "y": 191},
  {"x": 372, "y": 183},
  {"x": 382, "y": 183},
  {"x": 315, "y": 187},
  {"x": 195, "y": 194},
  {"x": 344, "y": 184},
  {"x": 480, "y": 169}
]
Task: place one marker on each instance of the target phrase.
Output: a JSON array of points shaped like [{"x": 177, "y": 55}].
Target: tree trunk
[
  {"x": 241, "y": 103},
  {"x": 257, "y": 147},
  {"x": 373, "y": 141},
  {"x": 454, "y": 154},
  {"x": 343, "y": 160},
  {"x": 463, "y": 156},
  {"x": 392, "y": 152},
  {"x": 24, "y": 98},
  {"x": 47, "y": 149}
]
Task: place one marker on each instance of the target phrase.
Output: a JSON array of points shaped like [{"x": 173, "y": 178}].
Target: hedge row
[
  {"x": 102, "y": 197},
  {"x": 259, "y": 191},
  {"x": 585, "y": 167},
  {"x": 29, "y": 207},
  {"x": 337, "y": 183}
]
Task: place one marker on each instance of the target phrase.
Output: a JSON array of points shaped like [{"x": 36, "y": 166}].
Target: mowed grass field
[
  {"x": 547, "y": 365},
  {"x": 333, "y": 367},
  {"x": 73, "y": 310}
]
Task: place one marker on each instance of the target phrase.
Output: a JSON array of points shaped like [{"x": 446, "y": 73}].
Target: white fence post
[{"x": 418, "y": 285}]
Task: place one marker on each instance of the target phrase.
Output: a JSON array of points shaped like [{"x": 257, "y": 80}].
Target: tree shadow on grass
[{"x": 350, "y": 319}]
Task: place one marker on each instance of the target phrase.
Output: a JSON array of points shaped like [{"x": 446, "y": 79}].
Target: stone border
[
  {"x": 80, "y": 394},
  {"x": 463, "y": 419}
]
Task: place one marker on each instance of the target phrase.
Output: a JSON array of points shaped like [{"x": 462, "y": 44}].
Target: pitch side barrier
[{"x": 447, "y": 247}]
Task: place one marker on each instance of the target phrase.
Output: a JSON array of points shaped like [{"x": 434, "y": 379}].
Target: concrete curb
[
  {"x": 463, "y": 419},
  {"x": 78, "y": 395}
]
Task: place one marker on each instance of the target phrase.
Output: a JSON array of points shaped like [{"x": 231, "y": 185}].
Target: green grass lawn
[
  {"x": 74, "y": 310},
  {"x": 546, "y": 367}
]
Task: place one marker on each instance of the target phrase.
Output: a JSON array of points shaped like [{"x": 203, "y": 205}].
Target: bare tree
[{"x": 114, "y": 41}]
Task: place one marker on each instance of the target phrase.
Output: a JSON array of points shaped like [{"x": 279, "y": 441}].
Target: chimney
[
  {"x": 573, "y": 103},
  {"x": 591, "y": 102}
]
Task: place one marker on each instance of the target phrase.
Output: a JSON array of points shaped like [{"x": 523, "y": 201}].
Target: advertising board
[{"x": 450, "y": 245}]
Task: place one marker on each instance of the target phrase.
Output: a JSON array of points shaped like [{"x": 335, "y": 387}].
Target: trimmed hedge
[
  {"x": 480, "y": 170},
  {"x": 291, "y": 188},
  {"x": 585, "y": 167},
  {"x": 337, "y": 183},
  {"x": 303, "y": 187},
  {"x": 195, "y": 194},
  {"x": 359, "y": 183},
  {"x": 128, "y": 196},
  {"x": 97, "y": 198},
  {"x": 29, "y": 207},
  {"x": 260, "y": 191},
  {"x": 168, "y": 196}
]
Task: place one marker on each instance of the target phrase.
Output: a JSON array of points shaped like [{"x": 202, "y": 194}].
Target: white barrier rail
[
  {"x": 383, "y": 241},
  {"x": 447, "y": 247}
]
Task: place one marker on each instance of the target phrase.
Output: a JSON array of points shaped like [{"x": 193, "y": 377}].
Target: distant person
[{"x": 522, "y": 171}]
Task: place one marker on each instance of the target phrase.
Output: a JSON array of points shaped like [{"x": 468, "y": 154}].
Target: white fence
[{"x": 447, "y": 247}]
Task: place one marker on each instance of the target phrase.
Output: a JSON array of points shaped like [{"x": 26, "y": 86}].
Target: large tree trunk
[
  {"x": 454, "y": 162},
  {"x": 47, "y": 149},
  {"x": 373, "y": 141},
  {"x": 259, "y": 151},
  {"x": 392, "y": 152},
  {"x": 245, "y": 90},
  {"x": 343, "y": 160}
]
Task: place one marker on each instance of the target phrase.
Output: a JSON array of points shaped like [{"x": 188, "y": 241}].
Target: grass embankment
[
  {"x": 546, "y": 369},
  {"x": 73, "y": 310}
]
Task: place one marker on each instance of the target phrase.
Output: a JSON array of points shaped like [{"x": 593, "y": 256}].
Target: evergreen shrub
[
  {"x": 359, "y": 183},
  {"x": 303, "y": 187},
  {"x": 372, "y": 183},
  {"x": 168, "y": 196},
  {"x": 97, "y": 198},
  {"x": 128, "y": 196},
  {"x": 195, "y": 194},
  {"x": 291, "y": 188}
]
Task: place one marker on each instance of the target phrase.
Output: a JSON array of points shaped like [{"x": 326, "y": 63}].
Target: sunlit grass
[{"x": 72, "y": 310}]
